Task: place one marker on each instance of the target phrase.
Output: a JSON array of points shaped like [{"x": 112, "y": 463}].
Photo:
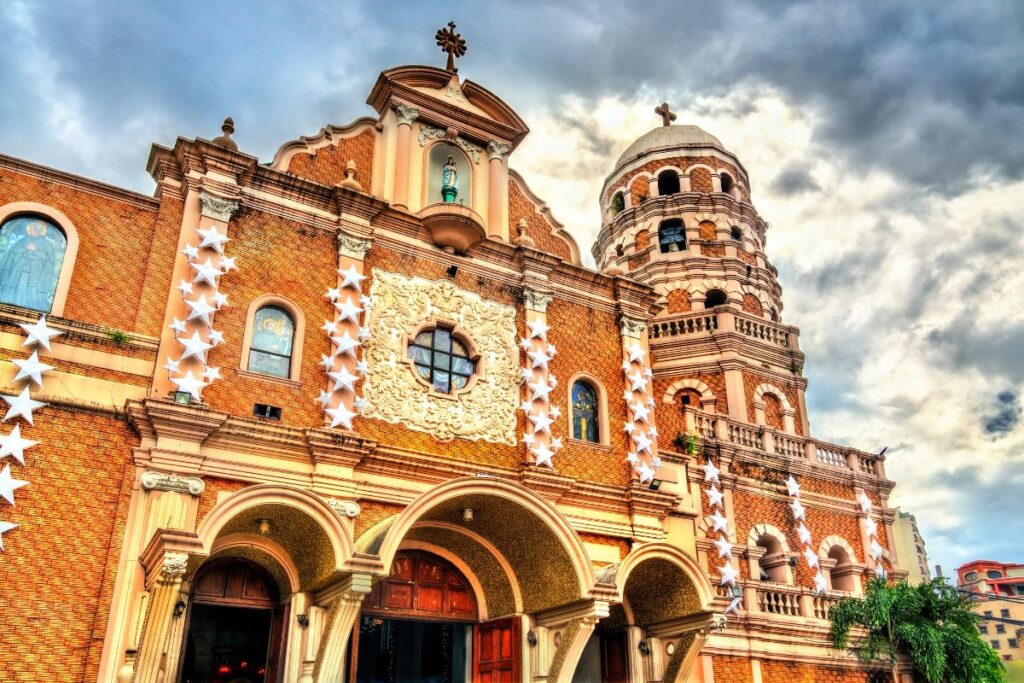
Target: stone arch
[
  {"x": 764, "y": 529},
  {"x": 546, "y": 556},
  {"x": 260, "y": 549},
  {"x": 829, "y": 541},
  {"x": 766, "y": 388},
  {"x": 67, "y": 267},
  {"x": 705, "y": 391},
  {"x": 700, "y": 288},
  {"x": 759, "y": 294},
  {"x": 303, "y": 526},
  {"x": 683, "y": 186}
]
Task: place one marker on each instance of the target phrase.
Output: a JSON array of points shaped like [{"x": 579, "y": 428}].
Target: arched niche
[{"x": 438, "y": 156}]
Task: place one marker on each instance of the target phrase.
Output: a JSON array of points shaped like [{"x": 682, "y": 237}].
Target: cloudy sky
[{"x": 884, "y": 141}]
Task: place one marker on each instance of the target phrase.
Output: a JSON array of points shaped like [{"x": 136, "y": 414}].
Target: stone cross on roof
[
  {"x": 451, "y": 42},
  {"x": 667, "y": 117}
]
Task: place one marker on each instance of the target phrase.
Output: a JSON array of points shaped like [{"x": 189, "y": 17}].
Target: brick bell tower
[{"x": 677, "y": 215}]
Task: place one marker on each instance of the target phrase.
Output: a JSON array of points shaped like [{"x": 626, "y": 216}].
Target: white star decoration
[
  {"x": 195, "y": 347},
  {"x": 636, "y": 353},
  {"x": 794, "y": 488},
  {"x": 714, "y": 496},
  {"x": 543, "y": 454},
  {"x": 14, "y": 445},
  {"x": 190, "y": 384},
  {"x": 178, "y": 326},
  {"x": 21, "y": 405},
  {"x": 640, "y": 411},
  {"x": 537, "y": 329},
  {"x": 540, "y": 390},
  {"x": 31, "y": 368},
  {"x": 870, "y": 526},
  {"x": 798, "y": 510},
  {"x": 221, "y": 299},
  {"x": 643, "y": 443},
  {"x": 539, "y": 359},
  {"x": 711, "y": 472},
  {"x": 206, "y": 272},
  {"x": 348, "y": 310},
  {"x": 728, "y": 573},
  {"x": 9, "y": 485},
  {"x": 343, "y": 379},
  {"x": 645, "y": 472},
  {"x": 865, "y": 502},
  {"x": 213, "y": 239},
  {"x": 718, "y": 522},
  {"x": 227, "y": 264},
  {"x": 341, "y": 416},
  {"x": 210, "y": 374},
  {"x": 351, "y": 278},
  {"x": 39, "y": 333},
  {"x": 191, "y": 253},
  {"x": 201, "y": 309},
  {"x": 820, "y": 585},
  {"x": 637, "y": 381},
  {"x": 185, "y": 287},
  {"x": 804, "y": 533},
  {"x": 811, "y": 557},
  {"x": 734, "y": 606},
  {"x": 346, "y": 344},
  {"x": 724, "y": 546},
  {"x": 541, "y": 422}
]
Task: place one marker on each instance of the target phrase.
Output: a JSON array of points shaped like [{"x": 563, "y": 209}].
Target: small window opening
[
  {"x": 618, "y": 203},
  {"x": 715, "y": 297},
  {"x": 727, "y": 182},
  {"x": 737, "y": 234},
  {"x": 671, "y": 237},
  {"x": 266, "y": 411},
  {"x": 668, "y": 183}
]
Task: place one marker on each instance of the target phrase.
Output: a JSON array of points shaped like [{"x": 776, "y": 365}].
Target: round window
[{"x": 442, "y": 359}]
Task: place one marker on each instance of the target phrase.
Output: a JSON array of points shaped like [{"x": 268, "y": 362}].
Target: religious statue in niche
[
  {"x": 31, "y": 254},
  {"x": 449, "y": 180}
]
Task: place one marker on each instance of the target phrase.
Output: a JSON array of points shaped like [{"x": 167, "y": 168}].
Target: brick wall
[
  {"x": 732, "y": 670},
  {"x": 789, "y": 672},
  {"x": 652, "y": 167},
  {"x": 327, "y": 164},
  {"x": 678, "y": 301},
  {"x": 752, "y": 305},
  {"x": 750, "y": 384},
  {"x": 58, "y": 569},
  {"x": 537, "y": 227},
  {"x": 707, "y": 230},
  {"x": 114, "y": 243}
]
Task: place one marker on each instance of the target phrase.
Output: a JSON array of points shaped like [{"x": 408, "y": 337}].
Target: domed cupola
[{"x": 677, "y": 215}]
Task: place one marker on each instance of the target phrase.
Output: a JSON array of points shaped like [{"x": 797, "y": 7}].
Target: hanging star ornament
[
  {"x": 39, "y": 333},
  {"x": 185, "y": 287},
  {"x": 348, "y": 310},
  {"x": 343, "y": 379},
  {"x": 211, "y": 375},
  {"x": 220, "y": 299},
  {"x": 206, "y": 272},
  {"x": 637, "y": 381},
  {"x": 31, "y": 368},
  {"x": 543, "y": 455},
  {"x": 201, "y": 309},
  {"x": 171, "y": 366},
  {"x": 636, "y": 353},
  {"x": 4, "y": 528},
  {"x": 216, "y": 337},
  {"x": 351, "y": 278},
  {"x": 724, "y": 546},
  {"x": 21, "y": 405},
  {"x": 228, "y": 263},
  {"x": 714, "y": 496},
  {"x": 870, "y": 526},
  {"x": 820, "y": 585},
  {"x": 195, "y": 347},
  {"x": 539, "y": 359},
  {"x": 541, "y": 422},
  {"x": 811, "y": 557},
  {"x": 640, "y": 411},
  {"x": 341, "y": 416},
  {"x": 8, "y": 485},
  {"x": 537, "y": 329},
  {"x": 643, "y": 443},
  {"x": 189, "y": 383},
  {"x": 346, "y": 344},
  {"x": 880, "y": 571},
  {"x": 734, "y": 606},
  {"x": 718, "y": 522},
  {"x": 792, "y": 486},
  {"x": 213, "y": 239},
  {"x": 645, "y": 473},
  {"x": 728, "y": 573},
  {"x": 540, "y": 390},
  {"x": 13, "y": 445},
  {"x": 804, "y": 534},
  {"x": 191, "y": 253},
  {"x": 865, "y": 502},
  {"x": 711, "y": 472},
  {"x": 798, "y": 509},
  {"x": 178, "y": 326}
]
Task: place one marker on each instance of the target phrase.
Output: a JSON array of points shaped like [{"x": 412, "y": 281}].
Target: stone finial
[
  {"x": 451, "y": 42},
  {"x": 225, "y": 140},
  {"x": 522, "y": 239},
  {"x": 349, "y": 182}
]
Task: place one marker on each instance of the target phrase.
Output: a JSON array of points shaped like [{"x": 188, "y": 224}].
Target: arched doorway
[
  {"x": 417, "y": 624},
  {"x": 235, "y": 625}
]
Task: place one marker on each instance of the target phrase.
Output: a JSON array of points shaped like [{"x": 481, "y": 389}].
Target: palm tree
[{"x": 931, "y": 623}]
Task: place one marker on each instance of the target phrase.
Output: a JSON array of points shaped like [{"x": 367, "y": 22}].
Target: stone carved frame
[{"x": 486, "y": 410}]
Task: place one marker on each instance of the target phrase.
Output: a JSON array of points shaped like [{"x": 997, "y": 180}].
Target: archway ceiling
[{"x": 658, "y": 590}]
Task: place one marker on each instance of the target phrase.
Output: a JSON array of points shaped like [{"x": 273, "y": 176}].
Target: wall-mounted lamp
[
  {"x": 303, "y": 620},
  {"x": 467, "y": 515},
  {"x": 645, "y": 649},
  {"x": 655, "y": 484},
  {"x": 531, "y": 638},
  {"x": 736, "y": 591},
  {"x": 182, "y": 397},
  {"x": 179, "y": 609},
  {"x": 792, "y": 562},
  {"x": 263, "y": 526}
]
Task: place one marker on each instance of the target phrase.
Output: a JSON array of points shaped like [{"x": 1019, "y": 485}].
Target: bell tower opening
[{"x": 715, "y": 297}]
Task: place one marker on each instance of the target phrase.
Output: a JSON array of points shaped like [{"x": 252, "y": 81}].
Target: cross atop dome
[
  {"x": 667, "y": 116},
  {"x": 451, "y": 42}
]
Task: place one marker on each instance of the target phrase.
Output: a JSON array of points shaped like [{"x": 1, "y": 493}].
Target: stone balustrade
[
  {"x": 784, "y": 600},
  {"x": 726, "y": 319}
]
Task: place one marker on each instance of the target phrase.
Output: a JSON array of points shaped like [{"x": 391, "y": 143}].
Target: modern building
[
  {"x": 999, "y": 589},
  {"x": 360, "y": 412},
  {"x": 910, "y": 548}
]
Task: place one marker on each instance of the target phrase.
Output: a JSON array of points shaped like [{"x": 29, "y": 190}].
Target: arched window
[
  {"x": 690, "y": 399},
  {"x": 442, "y": 360},
  {"x": 773, "y": 411},
  {"x": 736, "y": 233},
  {"x": 772, "y": 564},
  {"x": 273, "y": 336},
  {"x": 31, "y": 255},
  {"x": 618, "y": 203},
  {"x": 586, "y": 424},
  {"x": 843, "y": 573},
  {"x": 668, "y": 183},
  {"x": 727, "y": 182},
  {"x": 671, "y": 236},
  {"x": 715, "y": 297},
  {"x": 994, "y": 574},
  {"x": 451, "y": 175}
]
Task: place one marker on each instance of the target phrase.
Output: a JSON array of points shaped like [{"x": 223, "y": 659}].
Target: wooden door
[
  {"x": 613, "y": 658},
  {"x": 496, "y": 651}
]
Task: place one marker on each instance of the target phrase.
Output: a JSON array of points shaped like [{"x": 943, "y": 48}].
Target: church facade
[{"x": 359, "y": 413}]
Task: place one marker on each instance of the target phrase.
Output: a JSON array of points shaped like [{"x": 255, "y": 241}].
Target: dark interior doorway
[{"x": 407, "y": 651}]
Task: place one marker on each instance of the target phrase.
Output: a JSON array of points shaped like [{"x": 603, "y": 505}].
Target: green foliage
[
  {"x": 687, "y": 443},
  {"x": 932, "y": 624},
  {"x": 118, "y": 337}
]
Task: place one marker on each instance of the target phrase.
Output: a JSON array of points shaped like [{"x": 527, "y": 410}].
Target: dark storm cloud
[
  {"x": 793, "y": 181},
  {"x": 1007, "y": 415}
]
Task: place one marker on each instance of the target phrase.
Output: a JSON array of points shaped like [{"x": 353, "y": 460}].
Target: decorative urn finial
[
  {"x": 349, "y": 180},
  {"x": 522, "y": 239},
  {"x": 228, "y": 127},
  {"x": 451, "y": 42}
]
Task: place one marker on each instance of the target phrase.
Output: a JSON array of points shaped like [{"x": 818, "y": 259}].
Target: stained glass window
[
  {"x": 31, "y": 254},
  {"x": 585, "y": 425},
  {"x": 273, "y": 335},
  {"x": 441, "y": 359}
]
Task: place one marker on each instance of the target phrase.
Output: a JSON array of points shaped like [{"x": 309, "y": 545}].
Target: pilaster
[{"x": 333, "y": 650}]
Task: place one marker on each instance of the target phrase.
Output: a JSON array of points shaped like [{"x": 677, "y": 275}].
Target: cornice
[{"x": 78, "y": 182}]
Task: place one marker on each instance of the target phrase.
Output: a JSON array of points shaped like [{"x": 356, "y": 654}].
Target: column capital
[
  {"x": 217, "y": 208},
  {"x": 631, "y": 327},
  {"x": 535, "y": 300},
  {"x": 174, "y": 564},
  {"x": 406, "y": 114},
  {"x": 352, "y": 246},
  {"x": 497, "y": 150},
  {"x": 162, "y": 481}
]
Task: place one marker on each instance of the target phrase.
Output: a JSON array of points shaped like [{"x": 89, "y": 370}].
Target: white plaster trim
[
  {"x": 764, "y": 529},
  {"x": 831, "y": 541},
  {"x": 775, "y": 391},
  {"x": 696, "y": 384}
]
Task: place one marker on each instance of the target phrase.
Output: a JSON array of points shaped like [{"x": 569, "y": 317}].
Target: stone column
[
  {"x": 735, "y": 392},
  {"x": 535, "y": 304},
  {"x": 406, "y": 115},
  {"x": 201, "y": 208},
  {"x": 652, "y": 186},
  {"x": 497, "y": 193},
  {"x": 332, "y": 656},
  {"x": 634, "y": 335},
  {"x": 634, "y": 659},
  {"x": 161, "y": 642}
]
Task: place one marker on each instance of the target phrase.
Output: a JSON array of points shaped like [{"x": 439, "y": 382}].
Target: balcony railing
[
  {"x": 713, "y": 427},
  {"x": 726, "y": 319},
  {"x": 786, "y": 601}
]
